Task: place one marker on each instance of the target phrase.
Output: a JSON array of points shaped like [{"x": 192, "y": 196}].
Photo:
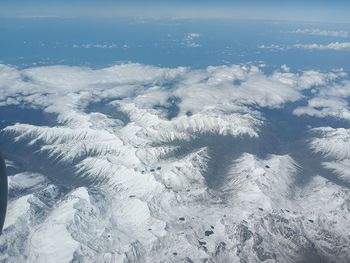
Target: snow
[
  {"x": 51, "y": 241},
  {"x": 25, "y": 180},
  {"x": 16, "y": 209},
  {"x": 131, "y": 184},
  {"x": 332, "y": 142}
]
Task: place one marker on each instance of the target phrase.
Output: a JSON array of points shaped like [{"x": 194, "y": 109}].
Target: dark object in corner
[{"x": 3, "y": 192}]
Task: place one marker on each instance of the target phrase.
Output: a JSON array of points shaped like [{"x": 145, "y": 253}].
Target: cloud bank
[
  {"x": 320, "y": 32},
  {"x": 331, "y": 46},
  {"x": 331, "y": 101},
  {"x": 60, "y": 88}
]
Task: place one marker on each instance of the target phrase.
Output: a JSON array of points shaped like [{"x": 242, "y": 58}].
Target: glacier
[{"x": 137, "y": 163}]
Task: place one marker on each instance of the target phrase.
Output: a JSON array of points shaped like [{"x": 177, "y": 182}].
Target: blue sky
[{"x": 297, "y": 10}]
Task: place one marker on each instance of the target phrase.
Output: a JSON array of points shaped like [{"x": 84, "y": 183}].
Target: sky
[{"x": 297, "y": 10}]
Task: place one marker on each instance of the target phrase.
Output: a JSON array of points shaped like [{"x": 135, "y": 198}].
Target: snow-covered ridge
[
  {"x": 266, "y": 183},
  {"x": 334, "y": 143},
  {"x": 147, "y": 164}
]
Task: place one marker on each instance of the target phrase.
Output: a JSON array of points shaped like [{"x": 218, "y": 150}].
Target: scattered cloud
[
  {"x": 273, "y": 47},
  {"x": 319, "y": 32},
  {"x": 341, "y": 46},
  {"x": 101, "y": 46},
  {"x": 190, "y": 40},
  {"x": 331, "y": 46},
  {"x": 329, "y": 101}
]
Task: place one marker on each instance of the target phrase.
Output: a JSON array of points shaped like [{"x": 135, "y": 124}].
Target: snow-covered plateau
[{"x": 136, "y": 163}]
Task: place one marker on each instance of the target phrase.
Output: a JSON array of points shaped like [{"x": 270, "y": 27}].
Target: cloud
[
  {"x": 339, "y": 46},
  {"x": 190, "y": 40},
  {"x": 273, "y": 47},
  {"x": 319, "y": 32},
  {"x": 204, "y": 100},
  {"x": 331, "y": 46},
  {"x": 57, "y": 88},
  {"x": 101, "y": 46},
  {"x": 329, "y": 101}
]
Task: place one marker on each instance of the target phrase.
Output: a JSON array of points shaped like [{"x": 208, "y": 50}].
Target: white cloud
[
  {"x": 212, "y": 100},
  {"x": 190, "y": 40},
  {"x": 330, "y": 46},
  {"x": 64, "y": 90},
  {"x": 273, "y": 47},
  {"x": 100, "y": 46},
  {"x": 314, "y": 46},
  {"x": 329, "y": 101},
  {"x": 319, "y": 32}
]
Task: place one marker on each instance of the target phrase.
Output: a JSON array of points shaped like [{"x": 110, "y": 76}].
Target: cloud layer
[
  {"x": 64, "y": 90},
  {"x": 331, "y": 101},
  {"x": 320, "y": 32},
  {"x": 330, "y": 46}
]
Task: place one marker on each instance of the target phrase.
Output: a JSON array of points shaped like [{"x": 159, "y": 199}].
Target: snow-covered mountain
[{"x": 135, "y": 163}]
